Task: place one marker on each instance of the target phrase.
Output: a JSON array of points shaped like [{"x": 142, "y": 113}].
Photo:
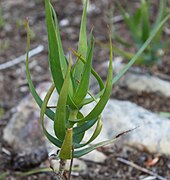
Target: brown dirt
[{"x": 13, "y": 83}]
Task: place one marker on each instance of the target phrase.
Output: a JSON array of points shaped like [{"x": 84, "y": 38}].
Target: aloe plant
[
  {"x": 140, "y": 28},
  {"x": 71, "y": 81}
]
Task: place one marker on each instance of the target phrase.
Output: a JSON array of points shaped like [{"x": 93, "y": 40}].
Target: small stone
[{"x": 64, "y": 22}]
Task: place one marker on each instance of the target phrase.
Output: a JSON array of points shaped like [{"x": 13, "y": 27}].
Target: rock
[
  {"x": 24, "y": 161},
  {"x": 64, "y": 22},
  {"x": 23, "y": 132},
  {"x": 145, "y": 83}
]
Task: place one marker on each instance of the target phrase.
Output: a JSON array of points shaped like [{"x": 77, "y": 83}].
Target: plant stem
[
  {"x": 61, "y": 169},
  {"x": 70, "y": 170},
  {"x": 71, "y": 164}
]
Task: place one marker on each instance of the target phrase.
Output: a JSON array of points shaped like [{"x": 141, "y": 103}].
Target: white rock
[
  {"x": 146, "y": 83},
  {"x": 24, "y": 131},
  {"x": 64, "y": 22}
]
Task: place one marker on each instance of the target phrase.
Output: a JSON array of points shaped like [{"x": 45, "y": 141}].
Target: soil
[{"x": 13, "y": 83}]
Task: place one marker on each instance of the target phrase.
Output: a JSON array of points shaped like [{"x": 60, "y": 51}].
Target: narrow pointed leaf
[
  {"x": 82, "y": 152},
  {"x": 55, "y": 51},
  {"x": 161, "y": 13},
  {"x": 37, "y": 98},
  {"x": 84, "y": 127},
  {"x": 61, "y": 51},
  {"x": 66, "y": 148},
  {"x": 82, "y": 45},
  {"x": 77, "y": 138},
  {"x": 137, "y": 17},
  {"x": 159, "y": 18},
  {"x": 129, "y": 22},
  {"x": 83, "y": 86},
  {"x": 52, "y": 139},
  {"x": 60, "y": 117},
  {"x": 63, "y": 60},
  {"x": 96, "y": 131},
  {"x": 145, "y": 21},
  {"x": 87, "y": 150}
]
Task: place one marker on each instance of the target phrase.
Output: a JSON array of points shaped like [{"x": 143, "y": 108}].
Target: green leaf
[
  {"x": 56, "y": 57},
  {"x": 83, "y": 86},
  {"x": 61, "y": 51},
  {"x": 60, "y": 117},
  {"x": 145, "y": 21},
  {"x": 159, "y": 18},
  {"x": 83, "y": 127},
  {"x": 97, "y": 131},
  {"x": 78, "y": 138},
  {"x": 52, "y": 139},
  {"x": 137, "y": 17},
  {"x": 37, "y": 98},
  {"x": 82, "y": 45},
  {"x": 128, "y": 20},
  {"x": 87, "y": 150},
  {"x": 66, "y": 148},
  {"x": 161, "y": 13}
]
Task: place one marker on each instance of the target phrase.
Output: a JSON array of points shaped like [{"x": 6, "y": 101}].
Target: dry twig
[
  {"x": 132, "y": 164},
  {"x": 19, "y": 59}
]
